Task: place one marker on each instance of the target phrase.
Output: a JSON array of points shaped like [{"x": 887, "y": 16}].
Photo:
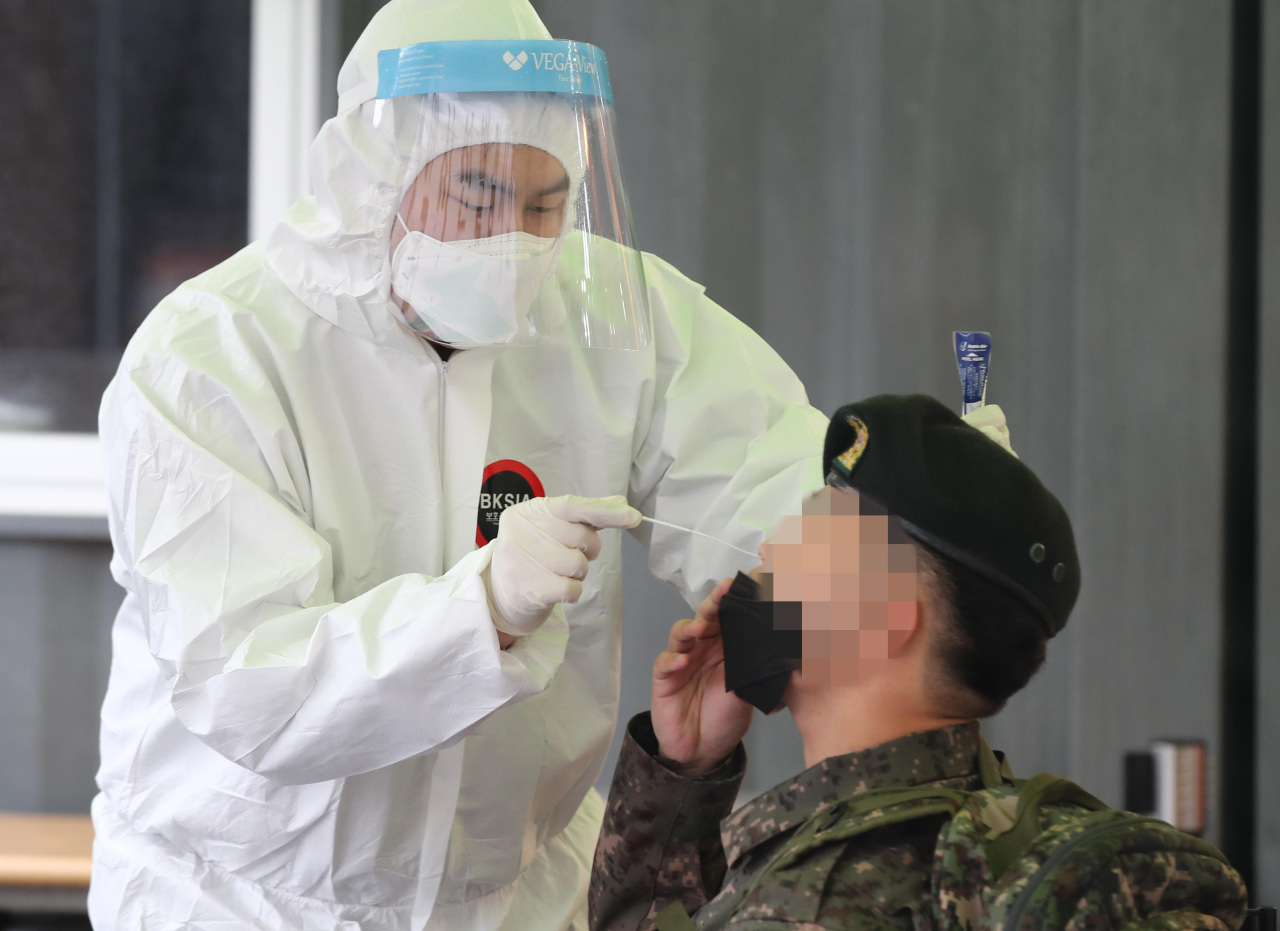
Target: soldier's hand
[{"x": 696, "y": 721}]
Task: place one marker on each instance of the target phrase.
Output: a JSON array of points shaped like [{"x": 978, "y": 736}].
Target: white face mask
[{"x": 471, "y": 292}]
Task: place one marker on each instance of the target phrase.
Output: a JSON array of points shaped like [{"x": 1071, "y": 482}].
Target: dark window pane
[
  {"x": 46, "y": 171},
  {"x": 123, "y": 172},
  {"x": 184, "y": 143}
]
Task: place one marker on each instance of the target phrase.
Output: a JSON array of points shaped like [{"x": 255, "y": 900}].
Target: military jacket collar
[{"x": 936, "y": 756}]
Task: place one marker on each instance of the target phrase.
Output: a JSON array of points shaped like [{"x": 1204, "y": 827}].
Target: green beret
[{"x": 960, "y": 493}]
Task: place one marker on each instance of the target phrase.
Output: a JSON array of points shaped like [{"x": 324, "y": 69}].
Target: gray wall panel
[
  {"x": 20, "y": 682},
  {"x": 76, "y": 633},
  {"x": 976, "y": 210},
  {"x": 1149, "y": 364},
  {"x": 55, "y": 631},
  {"x": 1267, "y": 864}
]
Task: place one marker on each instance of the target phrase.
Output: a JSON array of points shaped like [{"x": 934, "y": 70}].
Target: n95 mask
[{"x": 471, "y": 292}]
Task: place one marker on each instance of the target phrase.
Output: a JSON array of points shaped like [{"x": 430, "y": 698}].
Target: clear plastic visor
[{"x": 512, "y": 226}]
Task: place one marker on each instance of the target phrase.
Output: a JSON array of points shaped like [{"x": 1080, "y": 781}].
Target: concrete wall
[{"x": 57, "y": 600}]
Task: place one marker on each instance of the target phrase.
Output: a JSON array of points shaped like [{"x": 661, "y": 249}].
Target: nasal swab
[{"x": 699, "y": 533}]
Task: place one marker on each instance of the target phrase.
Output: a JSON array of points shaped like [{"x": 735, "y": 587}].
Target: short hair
[{"x": 987, "y": 643}]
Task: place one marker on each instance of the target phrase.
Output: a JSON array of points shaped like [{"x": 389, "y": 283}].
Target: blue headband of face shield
[{"x": 544, "y": 65}]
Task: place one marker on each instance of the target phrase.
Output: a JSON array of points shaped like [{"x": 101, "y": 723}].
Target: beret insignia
[{"x": 846, "y": 461}]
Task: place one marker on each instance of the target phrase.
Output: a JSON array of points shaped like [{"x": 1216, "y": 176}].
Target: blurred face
[
  {"x": 486, "y": 190},
  {"x": 855, "y": 576}
]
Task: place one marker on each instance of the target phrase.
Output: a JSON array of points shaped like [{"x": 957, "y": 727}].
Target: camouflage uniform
[{"x": 662, "y": 840}]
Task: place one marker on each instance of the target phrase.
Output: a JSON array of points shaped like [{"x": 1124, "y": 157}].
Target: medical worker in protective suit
[{"x": 339, "y": 697}]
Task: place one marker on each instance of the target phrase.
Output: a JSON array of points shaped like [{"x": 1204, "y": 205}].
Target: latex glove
[
  {"x": 540, "y": 556},
  {"x": 990, "y": 420}
]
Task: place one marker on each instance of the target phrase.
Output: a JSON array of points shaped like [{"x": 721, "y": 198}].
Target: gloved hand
[
  {"x": 990, "y": 420},
  {"x": 540, "y": 556}
]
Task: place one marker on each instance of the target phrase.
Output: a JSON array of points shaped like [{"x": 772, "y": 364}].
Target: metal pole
[{"x": 1238, "y": 784}]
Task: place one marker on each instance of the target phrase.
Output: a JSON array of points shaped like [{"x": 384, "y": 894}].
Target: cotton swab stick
[{"x": 699, "y": 533}]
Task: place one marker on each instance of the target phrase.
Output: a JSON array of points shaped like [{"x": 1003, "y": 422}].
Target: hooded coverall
[{"x": 309, "y": 722}]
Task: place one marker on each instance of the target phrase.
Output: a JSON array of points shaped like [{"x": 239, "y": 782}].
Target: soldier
[{"x": 911, "y": 598}]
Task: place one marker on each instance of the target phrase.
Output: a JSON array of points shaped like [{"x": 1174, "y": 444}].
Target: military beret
[{"x": 960, "y": 493}]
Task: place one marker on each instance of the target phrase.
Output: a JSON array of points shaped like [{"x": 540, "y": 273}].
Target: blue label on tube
[
  {"x": 547, "y": 65},
  {"x": 973, "y": 356}
]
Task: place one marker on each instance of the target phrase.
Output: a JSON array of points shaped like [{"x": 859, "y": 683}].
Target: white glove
[
  {"x": 990, "y": 420},
  {"x": 540, "y": 556}
]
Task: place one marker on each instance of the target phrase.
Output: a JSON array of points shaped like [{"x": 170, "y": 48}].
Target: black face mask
[{"x": 761, "y": 644}]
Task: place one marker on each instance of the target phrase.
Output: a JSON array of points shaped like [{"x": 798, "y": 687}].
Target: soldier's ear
[
  {"x": 913, "y": 626},
  {"x": 904, "y": 626}
]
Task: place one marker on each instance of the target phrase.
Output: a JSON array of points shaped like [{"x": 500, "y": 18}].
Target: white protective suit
[{"x": 309, "y": 722}]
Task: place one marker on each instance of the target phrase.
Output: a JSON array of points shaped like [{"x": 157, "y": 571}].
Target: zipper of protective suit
[
  {"x": 442, "y": 369},
  {"x": 429, "y": 873},
  {"x": 442, "y": 378}
]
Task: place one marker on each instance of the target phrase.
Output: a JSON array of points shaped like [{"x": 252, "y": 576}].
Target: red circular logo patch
[{"x": 505, "y": 482}]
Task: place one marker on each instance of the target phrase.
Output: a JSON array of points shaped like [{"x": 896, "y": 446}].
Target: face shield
[{"x": 513, "y": 227}]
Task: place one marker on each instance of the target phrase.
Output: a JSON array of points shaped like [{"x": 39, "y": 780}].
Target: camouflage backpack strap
[
  {"x": 1008, "y": 839},
  {"x": 674, "y": 918},
  {"x": 993, "y": 767}
]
